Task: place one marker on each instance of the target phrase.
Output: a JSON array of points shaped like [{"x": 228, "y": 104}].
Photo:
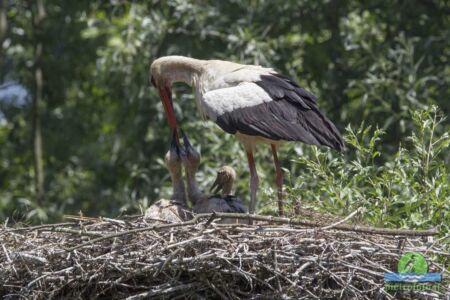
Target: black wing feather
[{"x": 292, "y": 116}]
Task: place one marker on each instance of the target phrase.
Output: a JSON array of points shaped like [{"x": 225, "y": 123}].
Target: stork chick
[
  {"x": 224, "y": 182},
  {"x": 203, "y": 203},
  {"x": 174, "y": 210}
]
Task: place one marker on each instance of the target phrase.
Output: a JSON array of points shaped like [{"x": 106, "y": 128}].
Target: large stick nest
[{"x": 134, "y": 259}]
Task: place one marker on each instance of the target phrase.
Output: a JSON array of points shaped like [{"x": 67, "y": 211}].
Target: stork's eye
[{"x": 152, "y": 80}]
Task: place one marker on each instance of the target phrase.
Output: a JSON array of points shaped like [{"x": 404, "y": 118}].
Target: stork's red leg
[
  {"x": 254, "y": 181},
  {"x": 279, "y": 180}
]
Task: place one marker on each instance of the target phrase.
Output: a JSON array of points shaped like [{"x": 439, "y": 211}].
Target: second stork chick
[
  {"x": 203, "y": 203},
  {"x": 224, "y": 184}
]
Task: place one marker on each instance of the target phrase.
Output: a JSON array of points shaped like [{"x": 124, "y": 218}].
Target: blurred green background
[{"x": 82, "y": 130}]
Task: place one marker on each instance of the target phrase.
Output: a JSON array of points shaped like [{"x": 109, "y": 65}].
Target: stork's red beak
[{"x": 166, "y": 98}]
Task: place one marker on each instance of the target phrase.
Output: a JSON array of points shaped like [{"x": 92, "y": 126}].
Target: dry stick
[
  {"x": 184, "y": 242},
  {"x": 6, "y": 253},
  {"x": 119, "y": 222},
  {"x": 299, "y": 270},
  {"x": 277, "y": 275},
  {"x": 248, "y": 274},
  {"x": 263, "y": 229},
  {"x": 166, "y": 262},
  {"x": 195, "y": 220},
  {"x": 218, "y": 292},
  {"x": 29, "y": 258},
  {"x": 4, "y": 231},
  {"x": 210, "y": 220},
  {"x": 437, "y": 242},
  {"x": 159, "y": 292},
  {"x": 82, "y": 218},
  {"x": 343, "y": 220},
  {"x": 275, "y": 266},
  {"x": 78, "y": 232},
  {"x": 374, "y": 273},
  {"x": 354, "y": 228}
]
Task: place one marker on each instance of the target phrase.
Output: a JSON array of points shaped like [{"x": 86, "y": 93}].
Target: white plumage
[{"x": 256, "y": 104}]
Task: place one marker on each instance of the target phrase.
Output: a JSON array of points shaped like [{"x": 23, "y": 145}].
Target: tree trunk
[
  {"x": 39, "y": 179},
  {"x": 3, "y": 22}
]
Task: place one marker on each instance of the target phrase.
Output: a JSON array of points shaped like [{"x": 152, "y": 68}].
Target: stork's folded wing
[{"x": 251, "y": 109}]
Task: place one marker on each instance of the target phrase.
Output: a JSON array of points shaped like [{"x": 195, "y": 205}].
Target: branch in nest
[{"x": 280, "y": 220}]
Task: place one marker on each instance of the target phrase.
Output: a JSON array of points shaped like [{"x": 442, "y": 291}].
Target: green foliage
[
  {"x": 103, "y": 126},
  {"x": 409, "y": 191}
]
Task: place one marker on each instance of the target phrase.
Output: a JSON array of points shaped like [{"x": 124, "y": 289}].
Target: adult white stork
[{"x": 256, "y": 104}]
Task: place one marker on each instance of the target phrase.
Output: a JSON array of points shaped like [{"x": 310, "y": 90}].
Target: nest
[{"x": 132, "y": 258}]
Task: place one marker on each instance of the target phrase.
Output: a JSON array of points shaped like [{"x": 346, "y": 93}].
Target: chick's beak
[
  {"x": 186, "y": 142},
  {"x": 217, "y": 185}
]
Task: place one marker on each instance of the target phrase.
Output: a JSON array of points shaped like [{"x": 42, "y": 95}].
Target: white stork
[{"x": 256, "y": 104}]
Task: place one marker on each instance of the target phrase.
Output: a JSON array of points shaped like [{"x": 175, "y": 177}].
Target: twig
[
  {"x": 222, "y": 295},
  {"x": 354, "y": 228},
  {"x": 29, "y": 257},
  {"x": 78, "y": 232},
  {"x": 4, "y": 231},
  {"x": 6, "y": 253},
  {"x": 343, "y": 220},
  {"x": 160, "y": 292},
  {"x": 167, "y": 262}
]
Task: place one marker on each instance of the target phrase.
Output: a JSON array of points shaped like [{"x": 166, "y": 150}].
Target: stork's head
[
  {"x": 224, "y": 181},
  {"x": 169, "y": 69},
  {"x": 160, "y": 79}
]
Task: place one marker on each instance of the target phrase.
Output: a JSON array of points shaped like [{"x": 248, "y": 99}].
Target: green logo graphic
[{"x": 412, "y": 262}]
